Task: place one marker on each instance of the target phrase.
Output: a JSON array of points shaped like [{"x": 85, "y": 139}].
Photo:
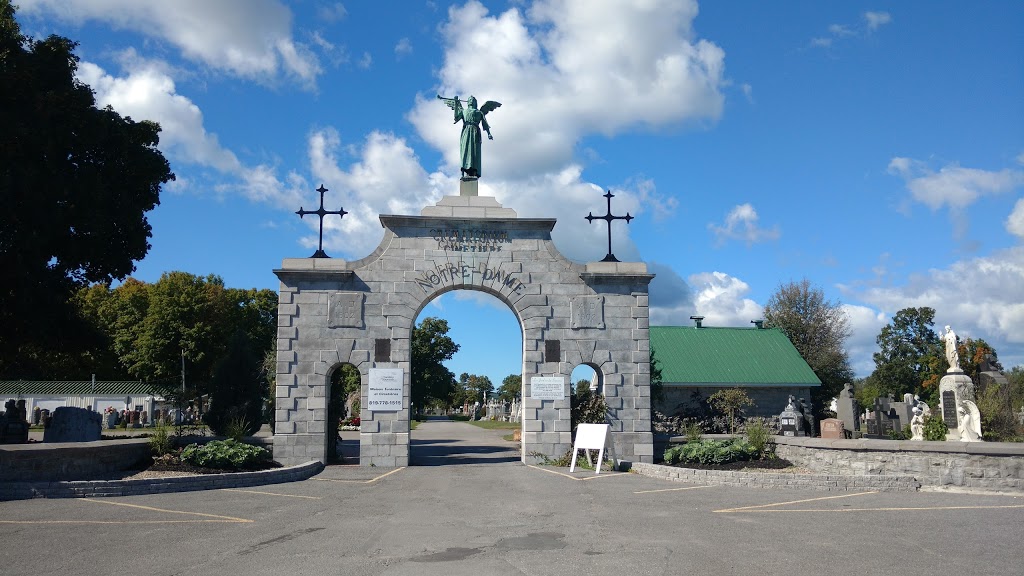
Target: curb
[
  {"x": 107, "y": 488},
  {"x": 777, "y": 480}
]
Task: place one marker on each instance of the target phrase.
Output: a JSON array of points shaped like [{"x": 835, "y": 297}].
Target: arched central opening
[{"x": 466, "y": 381}]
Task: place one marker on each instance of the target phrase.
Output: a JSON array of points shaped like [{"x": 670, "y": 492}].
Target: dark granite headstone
[{"x": 68, "y": 424}]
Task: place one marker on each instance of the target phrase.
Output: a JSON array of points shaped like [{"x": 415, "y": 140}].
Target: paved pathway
[
  {"x": 479, "y": 516},
  {"x": 442, "y": 442}
]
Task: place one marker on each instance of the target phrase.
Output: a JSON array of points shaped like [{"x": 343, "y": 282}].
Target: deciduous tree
[
  {"x": 910, "y": 358},
  {"x": 76, "y": 182},
  {"x": 431, "y": 347},
  {"x": 818, "y": 328},
  {"x": 511, "y": 387}
]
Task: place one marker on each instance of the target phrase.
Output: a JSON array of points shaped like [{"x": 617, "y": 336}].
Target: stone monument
[
  {"x": 955, "y": 389},
  {"x": 847, "y": 411},
  {"x": 69, "y": 424}
]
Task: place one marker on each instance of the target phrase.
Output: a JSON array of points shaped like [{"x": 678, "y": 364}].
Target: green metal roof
[
  {"x": 691, "y": 356},
  {"x": 72, "y": 388}
]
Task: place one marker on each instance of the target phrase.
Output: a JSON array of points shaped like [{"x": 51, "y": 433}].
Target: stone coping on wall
[
  {"x": 778, "y": 480},
  {"x": 109, "y": 488},
  {"x": 975, "y": 466},
  {"x": 876, "y": 445}
]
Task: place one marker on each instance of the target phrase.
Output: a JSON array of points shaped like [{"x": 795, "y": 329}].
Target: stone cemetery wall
[
  {"x": 71, "y": 461},
  {"x": 988, "y": 465}
]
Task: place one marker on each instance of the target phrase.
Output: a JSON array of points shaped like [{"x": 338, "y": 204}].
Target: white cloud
[
  {"x": 147, "y": 92},
  {"x": 403, "y": 48},
  {"x": 979, "y": 297},
  {"x": 720, "y": 298},
  {"x": 247, "y": 38},
  {"x": 332, "y": 12},
  {"x": 875, "y": 20},
  {"x": 953, "y": 185},
  {"x": 570, "y": 68},
  {"x": 1015, "y": 222},
  {"x": 865, "y": 324},
  {"x": 839, "y": 31},
  {"x": 365, "y": 61},
  {"x": 871, "y": 21},
  {"x": 742, "y": 224}
]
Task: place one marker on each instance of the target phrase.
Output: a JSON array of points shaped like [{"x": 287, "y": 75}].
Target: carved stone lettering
[
  {"x": 588, "y": 312},
  {"x": 345, "y": 310}
]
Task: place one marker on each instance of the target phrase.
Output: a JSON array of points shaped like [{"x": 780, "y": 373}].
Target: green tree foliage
[
  {"x": 657, "y": 388},
  {"x": 475, "y": 387},
  {"x": 587, "y": 406},
  {"x": 432, "y": 382},
  {"x": 731, "y": 402},
  {"x": 344, "y": 381},
  {"x": 186, "y": 313},
  {"x": 818, "y": 329},
  {"x": 511, "y": 388},
  {"x": 236, "y": 390},
  {"x": 76, "y": 182},
  {"x": 910, "y": 357},
  {"x": 144, "y": 328}
]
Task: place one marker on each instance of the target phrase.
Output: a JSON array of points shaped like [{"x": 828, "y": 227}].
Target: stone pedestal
[
  {"x": 469, "y": 187},
  {"x": 954, "y": 388}
]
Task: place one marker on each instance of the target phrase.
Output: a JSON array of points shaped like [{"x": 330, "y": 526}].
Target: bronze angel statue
[{"x": 472, "y": 120}]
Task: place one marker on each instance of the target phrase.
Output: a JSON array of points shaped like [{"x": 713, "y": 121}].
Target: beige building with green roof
[{"x": 697, "y": 361}]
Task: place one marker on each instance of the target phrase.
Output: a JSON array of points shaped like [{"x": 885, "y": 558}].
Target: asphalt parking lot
[{"x": 500, "y": 517}]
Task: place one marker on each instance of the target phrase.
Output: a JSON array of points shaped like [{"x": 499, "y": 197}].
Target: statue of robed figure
[{"x": 473, "y": 119}]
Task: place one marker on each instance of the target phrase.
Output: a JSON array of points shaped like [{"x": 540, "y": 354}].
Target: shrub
[
  {"x": 237, "y": 428},
  {"x": 730, "y": 402},
  {"x": 935, "y": 428},
  {"x": 160, "y": 442},
  {"x": 693, "y": 432},
  {"x": 711, "y": 452},
  {"x": 759, "y": 435},
  {"x": 224, "y": 454}
]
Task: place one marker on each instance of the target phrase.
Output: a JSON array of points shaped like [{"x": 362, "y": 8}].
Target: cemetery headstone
[
  {"x": 847, "y": 411},
  {"x": 791, "y": 421},
  {"x": 69, "y": 424},
  {"x": 832, "y": 428}
]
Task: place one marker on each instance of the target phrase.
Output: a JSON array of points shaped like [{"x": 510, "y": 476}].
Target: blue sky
[{"x": 874, "y": 148}]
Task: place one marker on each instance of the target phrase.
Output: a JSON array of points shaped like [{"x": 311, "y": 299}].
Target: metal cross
[
  {"x": 608, "y": 218},
  {"x": 321, "y": 213}
]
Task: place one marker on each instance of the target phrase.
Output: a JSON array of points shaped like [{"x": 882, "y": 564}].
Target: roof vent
[
  {"x": 697, "y": 319},
  {"x": 759, "y": 324}
]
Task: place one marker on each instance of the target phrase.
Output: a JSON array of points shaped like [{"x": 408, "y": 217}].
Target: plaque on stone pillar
[
  {"x": 382, "y": 350},
  {"x": 552, "y": 351},
  {"x": 949, "y": 409},
  {"x": 587, "y": 312},
  {"x": 345, "y": 310}
]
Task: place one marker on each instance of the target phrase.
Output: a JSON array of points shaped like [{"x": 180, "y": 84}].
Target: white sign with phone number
[{"x": 385, "y": 390}]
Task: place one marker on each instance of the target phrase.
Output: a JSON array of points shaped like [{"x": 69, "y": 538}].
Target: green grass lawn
[{"x": 496, "y": 425}]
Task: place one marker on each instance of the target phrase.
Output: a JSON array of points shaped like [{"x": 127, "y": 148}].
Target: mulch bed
[
  {"x": 749, "y": 465},
  {"x": 163, "y": 466}
]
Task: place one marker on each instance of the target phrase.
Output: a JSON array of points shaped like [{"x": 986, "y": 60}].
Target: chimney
[
  {"x": 697, "y": 319},
  {"x": 759, "y": 324}
]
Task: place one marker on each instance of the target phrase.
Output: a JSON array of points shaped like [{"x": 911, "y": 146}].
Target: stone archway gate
[{"x": 333, "y": 312}]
